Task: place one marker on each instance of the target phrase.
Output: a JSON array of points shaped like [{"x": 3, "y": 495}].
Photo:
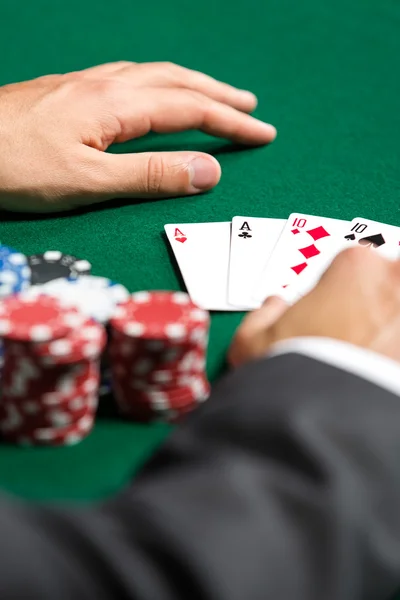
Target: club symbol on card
[
  {"x": 373, "y": 241},
  {"x": 179, "y": 236},
  {"x": 350, "y": 237},
  {"x": 245, "y": 235}
]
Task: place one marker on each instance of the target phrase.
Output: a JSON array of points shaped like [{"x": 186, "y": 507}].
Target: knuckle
[
  {"x": 168, "y": 66},
  {"x": 199, "y": 100},
  {"x": 165, "y": 71},
  {"x": 357, "y": 261},
  {"x": 122, "y": 64},
  {"x": 155, "y": 174},
  {"x": 106, "y": 87},
  {"x": 353, "y": 257}
]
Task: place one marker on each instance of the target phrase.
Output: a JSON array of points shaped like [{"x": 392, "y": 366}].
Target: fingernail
[
  {"x": 249, "y": 96},
  {"x": 204, "y": 173},
  {"x": 270, "y": 130}
]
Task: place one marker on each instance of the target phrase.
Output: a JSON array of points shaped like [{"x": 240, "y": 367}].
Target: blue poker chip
[{"x": 15, "y": 274}]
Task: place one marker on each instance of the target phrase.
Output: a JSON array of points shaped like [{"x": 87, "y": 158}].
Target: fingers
[
  {"x": 169, "y": 75},
  {"x": 165, "y": 110},
  {"x": 252, "y": 338},
  {"x": 155, "y": 175}
]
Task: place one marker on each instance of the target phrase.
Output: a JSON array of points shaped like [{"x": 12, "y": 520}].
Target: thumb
[
  {"x": 252, "y": 339},
  {"x": 158, "y": 174}
]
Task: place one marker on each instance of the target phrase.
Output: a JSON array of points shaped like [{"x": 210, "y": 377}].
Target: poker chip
[
  {"x": 70, "y": 338},
  {"x": 162, "y": 316},
  {"x": 53, "y": 264},
  {"x": 15, "y": 273},
  {"x": 82, "y": 343},
  {"x": 157, "y": 349},
  {"x": 36, "y": 319},
  {"x": 51, "y": 371},
  {"x": 95, "y": 297}
]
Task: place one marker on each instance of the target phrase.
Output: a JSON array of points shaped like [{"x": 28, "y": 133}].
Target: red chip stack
[
  {"x": 157, "y": 352},
  {"x": 51, "y": 371}
]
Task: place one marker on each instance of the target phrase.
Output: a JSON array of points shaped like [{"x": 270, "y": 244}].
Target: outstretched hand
[{"x": 55, "y": 130}]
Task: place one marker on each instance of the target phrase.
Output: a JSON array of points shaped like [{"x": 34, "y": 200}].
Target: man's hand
[
  {"x": 54, "y": 131},
  {"x": 357, "y": 301}
]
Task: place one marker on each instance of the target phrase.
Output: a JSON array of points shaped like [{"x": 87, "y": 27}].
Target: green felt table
[{"x": 326, "y": 74}]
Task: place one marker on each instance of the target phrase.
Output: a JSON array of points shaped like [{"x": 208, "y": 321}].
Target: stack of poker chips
[
  {"x": 15, "y": 276},
  {"x": 95, "y": 297},
  {"x": 157, "y": 352},
  {"x": 51, "y": 371}
]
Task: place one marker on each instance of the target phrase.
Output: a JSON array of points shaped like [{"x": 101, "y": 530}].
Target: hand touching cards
[{"x": 230, "y": 266}]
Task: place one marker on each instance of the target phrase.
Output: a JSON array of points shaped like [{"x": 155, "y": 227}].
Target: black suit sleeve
[{"x": 284, "y": 485}]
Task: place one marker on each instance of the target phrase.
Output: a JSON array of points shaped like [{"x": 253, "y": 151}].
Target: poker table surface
[{"x": 326, "y": 75}]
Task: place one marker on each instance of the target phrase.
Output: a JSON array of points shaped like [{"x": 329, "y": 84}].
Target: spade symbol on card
[
  {"x": 179, "y": 236},
  {"x": 351, "y": 237},
  {"x": 372, "y": 240}
]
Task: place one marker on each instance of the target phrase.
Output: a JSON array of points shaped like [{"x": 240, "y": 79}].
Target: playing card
[
  {"x": 377, "y": 236},
  {"x": 202, "y": 253},
  {"x": 300, "y": 257},
  {"x": 252, "y": 242},
  {"x": 372, "y": 235}
]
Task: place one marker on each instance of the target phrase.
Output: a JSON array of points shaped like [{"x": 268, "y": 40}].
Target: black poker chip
[{"x": 53, "y": 264}]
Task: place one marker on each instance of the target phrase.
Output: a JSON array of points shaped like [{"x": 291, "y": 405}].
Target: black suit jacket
[{"x": 284, "y": 485}]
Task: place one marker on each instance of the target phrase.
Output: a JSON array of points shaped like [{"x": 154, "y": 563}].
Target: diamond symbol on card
[
  {"x": 295, "y": 231},
  {"x": 318, "y": 233},
  {"x": 309, "y": 251},
  {"x": 299, "y": 268}
]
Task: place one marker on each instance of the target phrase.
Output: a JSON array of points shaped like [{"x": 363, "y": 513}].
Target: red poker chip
[
  {"x": 195, "y": 382},
  {"x": 52, "y": 436},
  {"x": 168, "y": 348},
  {"x": 85, "y": 343},
  {"x": 39, "y": 319},
  {"x": 169, "y": 316},
  {"x": 192, "y": 390},
  {"x": 24, "y": 378},
  {"x": 30, "y": 415}
]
